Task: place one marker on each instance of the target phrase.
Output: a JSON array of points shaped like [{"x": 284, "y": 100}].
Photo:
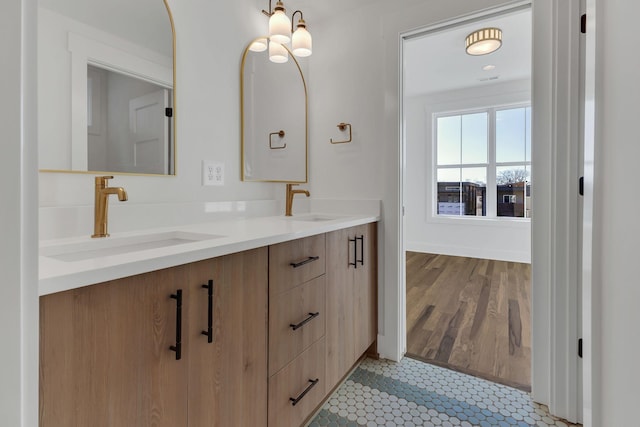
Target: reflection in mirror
[
  {"x": 126, "y": 123},
  {"x": 105, "y": 86},
  {"x": 274, "y": 119}
]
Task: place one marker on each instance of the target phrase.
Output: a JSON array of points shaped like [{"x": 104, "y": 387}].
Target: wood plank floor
[{"x": 471, "y": 315}]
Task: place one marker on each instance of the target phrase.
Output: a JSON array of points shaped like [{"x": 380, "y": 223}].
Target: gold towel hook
[
  {"x": 342, "y": 126},
  {"x": 281, "y": 134}
]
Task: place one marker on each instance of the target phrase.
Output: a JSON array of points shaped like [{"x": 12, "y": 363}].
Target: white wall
[
  {"x": 18, "y": 217},
  {"x": 502, "y": 239},
  {"x": 207, "y": 116},
  {"x": 354, "y": 78},
  {"x": 614, "y": 233}
]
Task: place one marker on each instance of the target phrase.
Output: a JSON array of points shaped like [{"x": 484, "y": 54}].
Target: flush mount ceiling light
[
  {"x": 280, "y": 30},
  {"x": 484, "y": 41}
]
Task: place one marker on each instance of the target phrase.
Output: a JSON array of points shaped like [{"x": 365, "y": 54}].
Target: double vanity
[
  {"x": 250, "y": 321},
  {"x": 243, "y": 322}
]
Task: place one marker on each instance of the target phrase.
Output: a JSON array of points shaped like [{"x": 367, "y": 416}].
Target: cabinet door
[
  {"x": 351, "y": 298},
  {"x": 365, "y": 288},
  {"x": 228, "y": 377},
  {"x": 105, "y": 357},
  {"x": 340, "y": 332}
]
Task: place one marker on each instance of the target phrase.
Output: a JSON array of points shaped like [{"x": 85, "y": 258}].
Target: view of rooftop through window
[{"x": 483, "y": 163}]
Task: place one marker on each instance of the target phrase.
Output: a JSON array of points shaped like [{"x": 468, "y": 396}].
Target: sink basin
[
  {"x": 121, "y": 245},
  {"x": 313, "y": 217}
]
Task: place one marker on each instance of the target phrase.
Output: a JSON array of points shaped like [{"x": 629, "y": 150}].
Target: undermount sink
[
  {"x": 90, "y": 249},
  {"x": 314, "y": 217}
]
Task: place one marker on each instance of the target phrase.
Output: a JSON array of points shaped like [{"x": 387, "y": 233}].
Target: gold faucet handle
[{"x": 101, "y": 181}]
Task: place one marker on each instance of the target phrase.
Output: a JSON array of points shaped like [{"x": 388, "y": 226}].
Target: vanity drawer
[
  {"x": 295, "y": 262},
  {"x": 296, "y": 320},
  {"x": 301, "y": 380}
]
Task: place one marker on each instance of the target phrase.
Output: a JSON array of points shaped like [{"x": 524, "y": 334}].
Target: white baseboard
[{"x": 471, "y": 252}]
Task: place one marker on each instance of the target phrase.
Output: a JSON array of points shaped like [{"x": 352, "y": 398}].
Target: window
[{"x": 483, "y": 163}]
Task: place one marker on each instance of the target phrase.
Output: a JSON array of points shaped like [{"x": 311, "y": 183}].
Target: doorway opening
[{"x": 467, "y": 198}]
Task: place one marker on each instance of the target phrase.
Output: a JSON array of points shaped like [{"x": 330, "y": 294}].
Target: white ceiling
[
  {"x": 318, "y": 10},
  {"x": 438, "y": 62}
]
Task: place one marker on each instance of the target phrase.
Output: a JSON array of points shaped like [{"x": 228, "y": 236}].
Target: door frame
[{"x": 555, "y": 226}]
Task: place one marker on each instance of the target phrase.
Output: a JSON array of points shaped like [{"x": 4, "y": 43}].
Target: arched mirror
[
  {"x": 106, "y": 86},
  {"x": 274, "y": 119}
]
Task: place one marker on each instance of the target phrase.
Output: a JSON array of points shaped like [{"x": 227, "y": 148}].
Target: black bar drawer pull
[
  {"x": 294, "y": 401},
  {"x": 355, "y": 252},
  {"x": 305, "y": 321},
  {"x": 306, "y": 261},
  {"x": 361, "y": 260},
  {"x": 178, "y": 347},
  {"x": 209, "y": 331}
]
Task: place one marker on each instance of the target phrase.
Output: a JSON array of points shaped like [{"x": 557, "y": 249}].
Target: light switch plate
[{"x": 212, "y": 173}]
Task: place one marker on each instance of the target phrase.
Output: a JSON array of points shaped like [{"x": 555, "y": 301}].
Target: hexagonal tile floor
[{"x": 413, "y": 393}]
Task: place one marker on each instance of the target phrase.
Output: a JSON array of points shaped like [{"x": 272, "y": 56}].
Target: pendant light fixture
[
  {"x": 280, "y": 33},
  {"x": 484, "y": 41},
  {"x": 279, "y": 25},
  {"x": 278, "y": 53},
  {"x": 259, "y": 45},
  {"x": 301, "y": 41}
]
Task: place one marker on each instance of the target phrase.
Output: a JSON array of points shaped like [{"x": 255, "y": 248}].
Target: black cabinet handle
[
  {"x": 306, "y": 261},
  {"x": 308, "y": 319},
  {"x": 178, "y": 347},
  {"x": 361, "y": 260},
  {"x": 209, "y": 331},
  {"x": 294, "y": 401},
  {"x": 355, "y": 252}
]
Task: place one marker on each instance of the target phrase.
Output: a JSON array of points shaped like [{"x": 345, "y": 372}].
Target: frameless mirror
[
  {"x": 106, "y": 86},
  {"x": 274, "y": 119}
]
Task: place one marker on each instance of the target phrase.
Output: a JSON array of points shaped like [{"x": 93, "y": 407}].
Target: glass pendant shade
[
  {"x": 301, "y": 41},
  {"x": 279, "y": 25},
  {"x": 258, "y": 45},
  {"x": 278, "y": 53}
]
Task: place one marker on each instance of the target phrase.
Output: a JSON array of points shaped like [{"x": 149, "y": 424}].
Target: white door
[{"x": 149, "y": 132}]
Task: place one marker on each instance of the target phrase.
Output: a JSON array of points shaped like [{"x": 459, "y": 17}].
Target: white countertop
[{"x": 238, "y": 235}]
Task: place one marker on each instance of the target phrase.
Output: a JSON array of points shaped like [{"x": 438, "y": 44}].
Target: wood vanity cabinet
[
  {"x": 297, "y": 314},
  {"x": 351, "y": 298},
  {"x": 105, "y": 357},
  {"x": 254, "y": 338}
]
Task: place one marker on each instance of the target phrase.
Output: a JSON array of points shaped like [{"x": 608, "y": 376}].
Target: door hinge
[
  {"x": 580, "y": 348},
  {"x": 168, "y": 112},
  {"x": 581, "y": 186},
  {"x": 583, "y": 23}
]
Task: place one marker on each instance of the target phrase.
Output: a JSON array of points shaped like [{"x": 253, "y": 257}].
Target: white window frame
[{"x": 491, "y": 196}]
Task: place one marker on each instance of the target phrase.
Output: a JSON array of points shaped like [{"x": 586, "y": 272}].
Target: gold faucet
[
  {"x": 290, "y": 193},
  {"x": 102, "y": 204}
]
